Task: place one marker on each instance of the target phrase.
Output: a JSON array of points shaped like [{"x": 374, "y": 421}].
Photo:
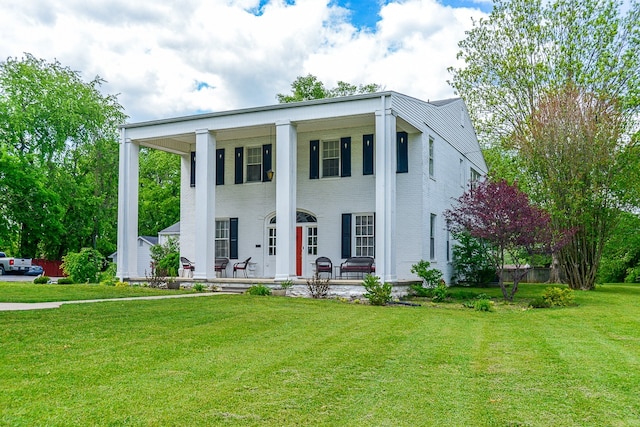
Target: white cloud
[{"x": 180, "y": 57}]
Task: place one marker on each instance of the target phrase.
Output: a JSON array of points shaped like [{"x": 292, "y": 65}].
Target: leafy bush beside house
[
  {"x": 83, "y": 266},
  {"x": 166, "y": 258}
]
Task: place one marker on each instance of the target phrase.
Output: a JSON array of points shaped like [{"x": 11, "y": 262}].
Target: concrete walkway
[{"x": 18, "y": 306}]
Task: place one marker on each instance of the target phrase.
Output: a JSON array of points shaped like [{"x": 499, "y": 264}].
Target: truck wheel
[{"x": 1, "y": 270}]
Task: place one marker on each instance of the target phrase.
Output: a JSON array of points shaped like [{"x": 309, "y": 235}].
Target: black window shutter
[
  {"x": 314, "y": 159},
  {"x": 367, "y": 154},
  {"x": 402, "y": 152},
  {"x": 345, "y": 156},
  {"x": 193, "y": 168},
  {"x": 220, "y": 166},
  {"x": 266, "y": 161},
  {"x": 346, "y": 235},
  {"x": 239, "y": 165},
  {"x": 233, "y": 238}
]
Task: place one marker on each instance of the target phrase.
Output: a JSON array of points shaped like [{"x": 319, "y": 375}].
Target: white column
[
  {"x": 127, "y": 209},
  {"x": 205, "y": 205},
  {"x": 385, "y": 193},
  {"x": 285, "y": 177}
]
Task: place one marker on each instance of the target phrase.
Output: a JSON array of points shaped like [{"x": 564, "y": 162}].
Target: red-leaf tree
[{"x": 502, "y": 215}]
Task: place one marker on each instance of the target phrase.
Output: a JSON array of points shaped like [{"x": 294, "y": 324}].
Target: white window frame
[
  {"x": 222, "y": 239},
  {"x": 474, "y": 178},
  {"x": 335, "y": 156},
  {"x": 431, "y": 157},
  {"x": 271, "y": 241},
  {"x": 251, "y": 162},
  {"x": 312, "y": 240},
  {"x": 364, "y": 234},
  {"x": 432, "y": 236}
]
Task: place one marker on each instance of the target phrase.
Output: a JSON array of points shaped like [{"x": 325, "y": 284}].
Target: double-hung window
[
  {"x": 432, "y": 237},
  {"x": 254, "y": 164},
  {"x": 364, "y": 235},
  {"x": 222, "y": 238},
  {"x": 474, "y": 178},
  {"x": 330, "y": 158},
  {"x": 431, "y": 160}
]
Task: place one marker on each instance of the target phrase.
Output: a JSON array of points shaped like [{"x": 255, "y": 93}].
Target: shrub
[
  {"x": 472, "y": 263},
  {"x": 539, "y": 303},
  {"x": 377, "y": 293},
  {"x": 318, "y": 288},
  {"x": 558, "y": 297},
  {"x": 83, "y": 266},
  {"x": 166, "y": 258},
  {"x": 287, "y": 284},
  {"x": 41, "y": 280},
  {"x": 483, "y": 305},
  {"x": 440, "y": 292},
  {"x": 108, "y": 277},
  {"x": 198, "y": 287},
  {"x": 430, "y": 276},
  {"x": 258, "y": 290},
  {"x": 65, "y": 281},
  {"x": 420, "y": 291},
  {"x": 119, "y": 284}
]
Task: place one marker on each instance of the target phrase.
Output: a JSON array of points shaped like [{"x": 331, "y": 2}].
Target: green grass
[
  {"x": 29, "y": 292},
  {"x": 243, "y": 360}
]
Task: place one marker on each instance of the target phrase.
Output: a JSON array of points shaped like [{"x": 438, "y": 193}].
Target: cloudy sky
[{"x": 178, "y": 57}]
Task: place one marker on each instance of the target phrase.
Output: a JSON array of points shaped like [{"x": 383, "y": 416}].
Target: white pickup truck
[{"x": 13, "y": 265}]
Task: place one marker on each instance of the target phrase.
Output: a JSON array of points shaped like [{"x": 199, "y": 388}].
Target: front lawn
[
  {"x": 244, "y": 360},
  {"x": 30, "y": 292}
]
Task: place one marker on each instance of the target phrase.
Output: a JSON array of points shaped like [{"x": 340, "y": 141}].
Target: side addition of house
[{"x": 359, "y": 176}]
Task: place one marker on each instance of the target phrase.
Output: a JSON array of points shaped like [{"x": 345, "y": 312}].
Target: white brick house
[{"x": 365, "y": 175}]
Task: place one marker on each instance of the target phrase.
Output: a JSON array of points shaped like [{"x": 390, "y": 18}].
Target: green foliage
[
  {"x": 65, "y": 281},
  {"x": 558, "y": 297},
  {"x": 554, "y": 91},
  {"x": 83, "y": 266},
  {"x": 119, "y": 284},
  {"x": 483, "y": 305},
  {"x": 166, "y": 258},
  {"x": 539, "y": 302},
  {"x": 472, "y": 262},
  {"x": 305, "y": 88},
  {"x": 159, "y": 197},
  {"x": 58, "y": 153},
  {"x": 108, "y": 276},
  {"x": 287, "y": 284},
  {"x": 439, "y": 293},
  {"x": 430, "y": 276},
  {"x": 260, "y": 290},
  {"x": 376, "y": 292},
  {"x": 41, "y": 280},
  {"x": 198, "y": 287},
  {"x": 621, "y": 254},
  {"x": 633, "y": 275}
]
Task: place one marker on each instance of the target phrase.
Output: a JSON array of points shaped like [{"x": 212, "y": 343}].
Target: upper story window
[
  {"x": 254, "y": 164},
  {"x": 431, "y": 160},
  {"x": 330, "y": 158}
]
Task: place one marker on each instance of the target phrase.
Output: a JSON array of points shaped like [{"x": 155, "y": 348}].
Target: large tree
[
  {"x": 58, "y": 149},
  {"x": 501, "y": 215},
  {"x": 305, "y": 88},
  {"x": 531, "y": 57}
]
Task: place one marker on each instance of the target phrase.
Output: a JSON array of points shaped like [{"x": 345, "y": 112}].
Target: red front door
[{"x": 298, "y": 251}]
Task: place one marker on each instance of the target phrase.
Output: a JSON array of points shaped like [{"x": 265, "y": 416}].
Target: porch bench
[{"x": 361, "y": 265}]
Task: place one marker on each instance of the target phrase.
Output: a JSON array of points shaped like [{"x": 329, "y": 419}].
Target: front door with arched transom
[{"x": 306, "y": 242}]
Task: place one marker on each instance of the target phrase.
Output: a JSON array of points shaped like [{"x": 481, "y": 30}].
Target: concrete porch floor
[{"x": 351, "y": 287}]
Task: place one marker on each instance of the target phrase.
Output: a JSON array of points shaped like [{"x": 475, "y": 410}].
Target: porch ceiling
[{"x": 183, "y": 143}]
